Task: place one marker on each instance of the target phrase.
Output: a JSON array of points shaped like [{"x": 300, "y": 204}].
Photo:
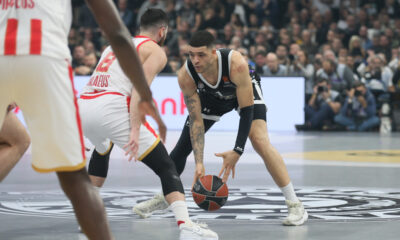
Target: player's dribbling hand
[
  {"x": 230, "y": 159},
  {"x": 199, "y": 172},
  {"x": 149, "y": 108}
]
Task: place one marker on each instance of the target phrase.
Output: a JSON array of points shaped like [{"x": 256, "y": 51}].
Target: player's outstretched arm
[
  {"x": 154, "y": 60},
  {"x": 192, "y": 101},
  {"x": 118, "y": 35},
  {"x": 244, "y": 90}
]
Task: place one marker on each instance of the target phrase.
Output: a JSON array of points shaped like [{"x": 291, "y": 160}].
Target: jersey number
[
  {"x": 10, "y": 40},
  {"x": 105, "y": 64}
]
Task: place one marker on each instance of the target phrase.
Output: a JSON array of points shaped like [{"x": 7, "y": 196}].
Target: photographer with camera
[
  {"x": 359, "y": 109},
  {"x": 339, "y": 75},
  {"x": 378, "y": 77},
  {"x": 322, "y": 107}
]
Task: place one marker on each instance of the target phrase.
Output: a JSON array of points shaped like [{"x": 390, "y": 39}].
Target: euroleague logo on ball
[
  {"x": 266, "y": 204},
  {"x": 210, "y": 193}
]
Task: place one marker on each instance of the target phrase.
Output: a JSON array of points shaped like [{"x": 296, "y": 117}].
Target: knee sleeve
[
  {"x": 98, "y": 165},
  {"x": 159, "y": 161}
]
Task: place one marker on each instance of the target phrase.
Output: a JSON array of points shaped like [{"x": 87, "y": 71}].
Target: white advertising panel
[{"x": 284, "y": 97}]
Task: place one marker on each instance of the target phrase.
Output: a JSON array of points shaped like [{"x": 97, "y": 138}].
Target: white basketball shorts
[
  {"x": 43, "y": 89},
  {"x": 105, "y": 119}
]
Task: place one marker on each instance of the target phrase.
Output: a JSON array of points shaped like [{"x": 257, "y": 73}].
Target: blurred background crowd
[{"x": 348, "y": 51}]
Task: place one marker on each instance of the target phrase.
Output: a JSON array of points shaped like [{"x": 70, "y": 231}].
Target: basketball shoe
[
  {"x": 297, "y": 214},
  {"x": 196, "y": 231},
  {"x": 146, "y": 208}
]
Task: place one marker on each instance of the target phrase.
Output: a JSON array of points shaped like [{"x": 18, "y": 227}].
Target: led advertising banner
[{"x": 284, "y": 97}]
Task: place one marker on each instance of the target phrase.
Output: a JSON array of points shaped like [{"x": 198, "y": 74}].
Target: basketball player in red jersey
[
  {"x": 36, "y": 74},
  {"x": 105, "y": 104}
]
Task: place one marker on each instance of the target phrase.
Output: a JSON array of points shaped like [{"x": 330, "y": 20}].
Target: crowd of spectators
[{"x": 348, "y": 51}]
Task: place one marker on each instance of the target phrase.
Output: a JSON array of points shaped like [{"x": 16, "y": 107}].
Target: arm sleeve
[{"x": 246, "y": 118}]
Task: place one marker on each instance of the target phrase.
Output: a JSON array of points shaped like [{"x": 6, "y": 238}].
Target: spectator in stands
[
  {"x": 366, "y": 43},
  {"x": 359, "y": 109},
  {"x": 127, "y": 16},
  {"x": 243, "y": 51},
  {"x": 212, "y": 19},
  {"x": 396, "y": 77},
  {"x": 322, "y": 107},
  {"x": 149, "y": 4},
  {"x": 378, "y": 78},
  {"x": 351, "y": 64},
  {"x": 190, "y": 14},
  {"x": 282, "y": 55},
  {"x": 78, "y": 55},
  {"x": 307, "y": 43},
  {"x": 339, "y": 75},
  {"x": 254, "y": 23},
  {"x": 260, "y": 61},
  {"x": 395, "y": 59},
  {"x": 172, "y": 14},
  {"x": 273, "y": 68},
  {"x": 89, "y": 64},
  {"x": 236, "y": 21},
  {"x": 300, "y": 66}
]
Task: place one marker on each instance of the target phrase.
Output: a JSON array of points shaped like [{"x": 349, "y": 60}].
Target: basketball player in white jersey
[
  {"x": 36, "y": 74},
  {"x": 106, "y": 103}
]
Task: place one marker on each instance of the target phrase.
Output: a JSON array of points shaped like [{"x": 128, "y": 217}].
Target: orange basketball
[{"x": 210, "y": 193}]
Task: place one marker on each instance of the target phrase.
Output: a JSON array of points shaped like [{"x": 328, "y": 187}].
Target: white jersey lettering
[
  {"x": 35, "y": 27},
  {"x": 108, "y": 75}
]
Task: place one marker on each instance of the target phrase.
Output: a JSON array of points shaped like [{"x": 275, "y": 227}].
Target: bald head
[{"x": 272, "y": 62}]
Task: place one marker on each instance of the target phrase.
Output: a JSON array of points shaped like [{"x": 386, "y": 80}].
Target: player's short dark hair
[
  {"x": 153, "y": 17},
  {"x": 201, "y": 39}
]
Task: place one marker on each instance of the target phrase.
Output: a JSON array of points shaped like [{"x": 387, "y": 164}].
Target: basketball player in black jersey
[{"x": 215, "y": 82}]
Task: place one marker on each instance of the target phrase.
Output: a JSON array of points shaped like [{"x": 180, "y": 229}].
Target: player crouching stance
[{"x": 215, "y": 82}]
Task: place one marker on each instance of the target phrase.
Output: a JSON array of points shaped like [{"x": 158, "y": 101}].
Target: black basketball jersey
[
  {"x": 221, "y": 98},
  {"x": 224, "y": 89}
]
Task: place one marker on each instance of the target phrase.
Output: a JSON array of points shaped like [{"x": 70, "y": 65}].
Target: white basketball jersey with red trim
[
  {"x": 108, "y": 75},
  {"x": 35, "y": 27}
]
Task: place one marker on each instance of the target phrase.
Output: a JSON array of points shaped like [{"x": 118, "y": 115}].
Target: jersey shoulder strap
[
  {"x": 225, "y": 62},
  {"x": 192, "y": 72}
]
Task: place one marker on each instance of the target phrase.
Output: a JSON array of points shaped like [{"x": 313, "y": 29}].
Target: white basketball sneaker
[
  {"x": 196, "y": 231},
  {"x": 297, "y": 214},
  {"x": 146, "y": 208}
]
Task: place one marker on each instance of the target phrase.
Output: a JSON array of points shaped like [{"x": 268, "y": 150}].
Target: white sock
[
  {"x": 181, "y": 212},
  {"x": 289, "y": 193}
]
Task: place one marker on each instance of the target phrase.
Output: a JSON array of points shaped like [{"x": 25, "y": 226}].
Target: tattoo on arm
[{"x": 196, "y": 128}]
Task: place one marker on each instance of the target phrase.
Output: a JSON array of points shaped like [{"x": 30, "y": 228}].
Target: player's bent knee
[
  {"x": 24, "y": 142},
  {"x": 160, "y": 162},
  {"x": 98, "y": 165},
  {"x": 259, "y": 141}
]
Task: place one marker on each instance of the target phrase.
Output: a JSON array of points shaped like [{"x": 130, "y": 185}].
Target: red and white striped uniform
[
  {"x": 36, "y": 74},
  {"x": 104, "y": 105},
  {"x": 108, "y": 75},
  {"x": 35, "y": 27}
]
